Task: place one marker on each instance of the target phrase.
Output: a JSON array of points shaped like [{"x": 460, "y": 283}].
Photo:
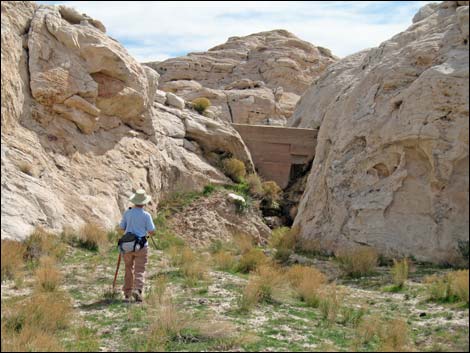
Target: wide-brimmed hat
[{"x": 140, "y": 198}]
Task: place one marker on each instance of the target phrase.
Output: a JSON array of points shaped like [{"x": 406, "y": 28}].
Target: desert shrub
[
  {"x": 251, "y": 260},
  {"x": 92, "y": 236},
  {"x": 451, "y": 287},
  {"x": 330, "y": 303},
  {"x": 255, "y": 185},
  {"x": 42, "y": 243},
  {"x": 48, "y": 277},
  {"x": 358, "y": 261},
  {"x": 399, "y": 272},
  {"x": 266, "y": 285},
  {"x": 224, "y": 261},
  {"x": 272, "y": 193},
  {"x": 234, "y": 169},
  {"x": 12, "y": 255},
  {"x": 307, "y": 282},
  {"x": 201, "y": 104}
]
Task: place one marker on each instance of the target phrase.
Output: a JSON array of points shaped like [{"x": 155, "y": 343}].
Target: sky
[{"x": 157, "y": 30}]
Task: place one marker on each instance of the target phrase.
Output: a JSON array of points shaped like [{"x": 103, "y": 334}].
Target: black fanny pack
[{"x": 130, "y": 242}]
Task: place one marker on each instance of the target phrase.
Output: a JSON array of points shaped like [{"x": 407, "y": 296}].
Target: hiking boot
[
  {"x": 127, "y": 298},
  {"x": 137, "y": 294}
]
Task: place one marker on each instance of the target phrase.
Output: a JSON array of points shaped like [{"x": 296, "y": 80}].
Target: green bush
[
  {"x": 208, "y": 189},
  {"x": 201, "y": 104},
  {"x": 234, "y": 169}
]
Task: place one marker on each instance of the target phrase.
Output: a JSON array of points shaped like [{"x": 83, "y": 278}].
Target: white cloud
[{"x": 155, "y": 30}]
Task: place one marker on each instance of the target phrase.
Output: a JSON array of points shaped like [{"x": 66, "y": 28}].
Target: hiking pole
[
  {"x": 117, "y": 270},
  {"x": 153, "y": 242}
]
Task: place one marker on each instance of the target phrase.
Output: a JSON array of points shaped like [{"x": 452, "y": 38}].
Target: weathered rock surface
[
  {"x": 83, "y": 125},
  {"x": 391, "y": 164},
  {"x": 215, "y": 218},
  {"x": 248, "y": 79}
]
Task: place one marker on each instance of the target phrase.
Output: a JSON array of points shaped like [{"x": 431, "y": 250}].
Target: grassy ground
[{"x": 102, "y": 322}]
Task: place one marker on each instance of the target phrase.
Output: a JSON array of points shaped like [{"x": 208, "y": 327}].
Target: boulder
[
  {"x": 391, "y": 163},
  {"x": 174, "y": 101}
]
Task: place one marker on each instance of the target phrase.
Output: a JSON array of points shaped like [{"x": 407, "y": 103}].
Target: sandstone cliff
[
  {"x": 248, "y": 79},
  {"x": 391, "y": 164},
  {"x": 83, "y": 125}
]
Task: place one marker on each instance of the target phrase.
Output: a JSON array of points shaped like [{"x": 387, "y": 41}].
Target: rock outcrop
[
  {"x": 213, "y": 218},
  {"x": 254, "y": 79},
  {"x": 83, "y": 125},
  {"x": 391, "y": 164}
]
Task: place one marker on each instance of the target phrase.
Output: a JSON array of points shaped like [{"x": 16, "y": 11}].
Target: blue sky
[{"x": 156, "y": 30}]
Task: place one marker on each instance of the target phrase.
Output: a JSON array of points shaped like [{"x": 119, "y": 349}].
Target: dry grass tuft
[
  {"x": 392, "y": 336},
  {"x": 307, "y": 282},
  {"x": 285, "y": 240},
  {"x": 12, "y": 255},
  {"x": 156, "y": 294},
  {"x": 92, "y": 236},
  {"x": 330, "y": 303},
  {"x": 191, "y": 266},
  {"x": 255, "y": 185},
  {"x": 395, "y": 336},
  {"x": 48, "y": 277},
  {"x": 459, "y": 285},
  {"x": 272, "y": 193},
  {"x": 243, "y": 243},
  {"x": 251, "y": 260},
  {"x": 167, "y": 325},
  {"x": 38, "y": 316},
  {"x": 266, "y": 285},
  {"x": 234, "y": 169},
  {"x": 30, "y": 339},
  {"x": 400, "y": 272},
  {"x": 224, "y": 261},
  {"x": 42, "y": 243},
  {"x": 358, "y": 261},
  {"x": 451, "y": 287}
]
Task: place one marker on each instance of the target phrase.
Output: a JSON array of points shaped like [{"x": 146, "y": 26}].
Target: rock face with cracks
[
  {"x": 391, "y": 164},
  {"x": 83, "y": 126},
  {"x": 256, "y": 79}
]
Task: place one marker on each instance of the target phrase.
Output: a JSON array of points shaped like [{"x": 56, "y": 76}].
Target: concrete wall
[{"x": 275, "y": 148}]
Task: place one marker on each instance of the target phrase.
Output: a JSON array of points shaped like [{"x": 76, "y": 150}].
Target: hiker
[{"x": 136, "y": 223}]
